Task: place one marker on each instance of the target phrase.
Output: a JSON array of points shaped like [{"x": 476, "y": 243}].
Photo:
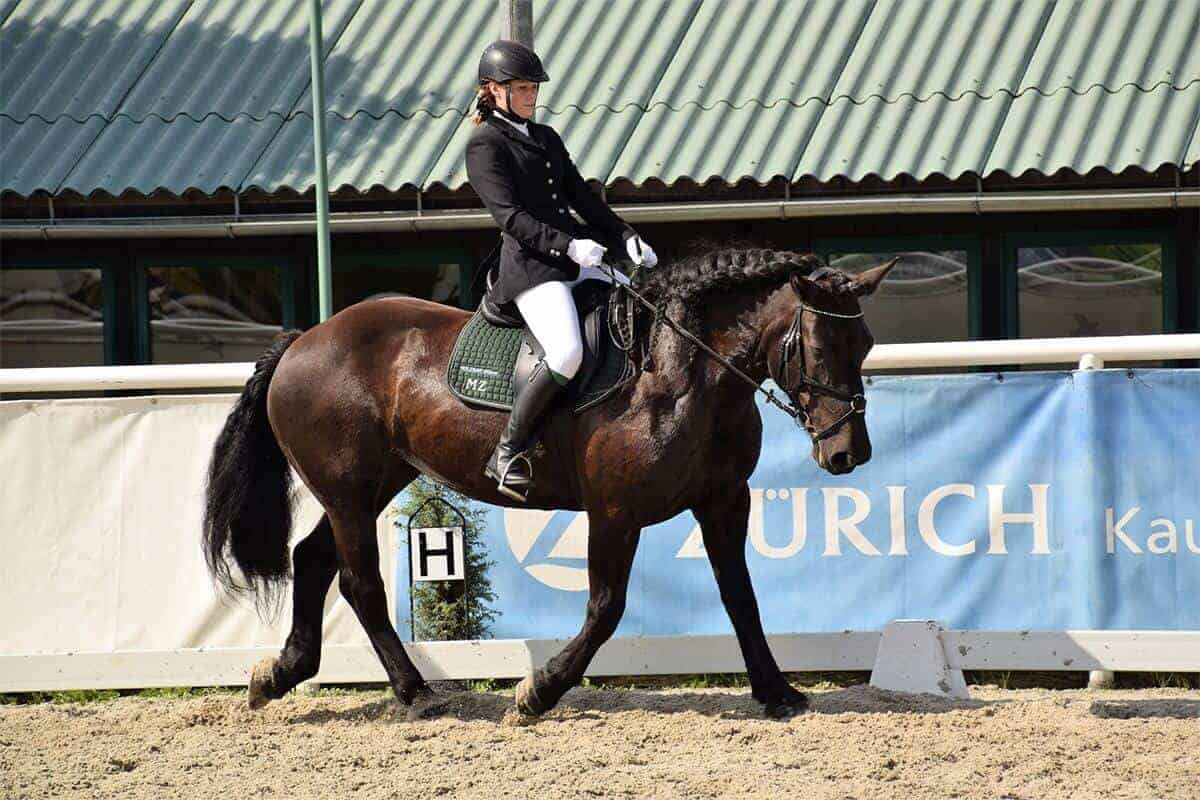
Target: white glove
[
  {"x": 585, "y": 252},
  {"x": 645, "y": 256}
]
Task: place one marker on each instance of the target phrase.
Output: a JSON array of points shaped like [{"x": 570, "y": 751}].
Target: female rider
[{"x": 525, "y": 177}]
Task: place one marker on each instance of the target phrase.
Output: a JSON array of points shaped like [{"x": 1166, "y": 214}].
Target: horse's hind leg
[
  {"x": 314, "y": 563},
  {"x": 362, "y": 585},
  {"x": 611, "y": 547}
]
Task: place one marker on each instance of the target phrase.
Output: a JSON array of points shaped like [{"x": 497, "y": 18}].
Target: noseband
[{"x": 792, "y": 343}]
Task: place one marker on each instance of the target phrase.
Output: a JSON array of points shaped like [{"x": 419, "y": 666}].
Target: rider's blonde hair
[{"x": 485, "y": 103}]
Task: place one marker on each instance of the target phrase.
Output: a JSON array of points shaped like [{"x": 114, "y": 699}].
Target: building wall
[{"x": 965, "y": 276}]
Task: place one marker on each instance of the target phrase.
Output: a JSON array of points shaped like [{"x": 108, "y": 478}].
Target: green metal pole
[{"x": 316, "y": 49}]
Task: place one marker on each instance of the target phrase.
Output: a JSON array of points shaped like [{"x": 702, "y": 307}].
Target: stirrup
[{"x": 504, "y": 489}]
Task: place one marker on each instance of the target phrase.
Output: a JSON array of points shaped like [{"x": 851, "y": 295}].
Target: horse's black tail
[{"x": 248, "y": 499}]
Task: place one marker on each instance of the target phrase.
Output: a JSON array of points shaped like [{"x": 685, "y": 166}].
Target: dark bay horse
[{"x": 359, "y": 406}]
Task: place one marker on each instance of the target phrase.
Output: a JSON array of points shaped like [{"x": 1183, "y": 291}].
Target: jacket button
[
  {"x": 547, "y": 163},
  {"x": 562, "y": 211},
  {"x": 549, "y": 180},
  {"x": 553, "y": 252},
  {"x": 554, "y": 195}
]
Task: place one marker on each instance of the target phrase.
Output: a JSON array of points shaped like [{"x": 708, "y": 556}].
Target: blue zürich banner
[{"x": 1014, "y": 501}]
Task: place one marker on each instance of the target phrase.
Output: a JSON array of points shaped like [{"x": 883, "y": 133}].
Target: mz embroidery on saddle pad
[{"x": 481, "y": 368}]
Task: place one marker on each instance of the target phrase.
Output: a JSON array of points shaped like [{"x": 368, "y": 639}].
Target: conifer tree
[{"x": 451, "y": 610}]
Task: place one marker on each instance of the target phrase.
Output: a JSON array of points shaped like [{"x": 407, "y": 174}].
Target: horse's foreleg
[
  {"x": 361, "y": 584},
  {"x": 723, "y": 524},
  {"x": 314, "y": 562},
  {"x": 611, "y": 548}
]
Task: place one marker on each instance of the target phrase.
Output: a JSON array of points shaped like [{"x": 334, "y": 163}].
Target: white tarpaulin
[{"x": 100, "y": 526}]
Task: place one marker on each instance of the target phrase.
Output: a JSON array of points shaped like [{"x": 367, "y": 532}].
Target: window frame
[
  {"x": 143, "y": 262},
  {"x": 969, "y": 243},
  {"x": 1163, "y": 237},
  {"x": 109, "y": 305}
]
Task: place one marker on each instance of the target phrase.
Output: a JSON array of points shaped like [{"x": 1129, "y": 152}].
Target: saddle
[{"x": 495, "y": 351}]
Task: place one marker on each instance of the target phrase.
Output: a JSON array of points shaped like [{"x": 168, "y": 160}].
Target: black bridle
[{"x": 792, "y": 343}]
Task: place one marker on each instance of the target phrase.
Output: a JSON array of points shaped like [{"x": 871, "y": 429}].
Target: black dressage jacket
[{"x": 529, "y": 184}]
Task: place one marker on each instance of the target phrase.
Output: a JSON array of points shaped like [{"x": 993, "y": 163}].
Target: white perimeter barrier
[
  {"x": 920, "y": 355},
  {"x": 103, "y": 584}
]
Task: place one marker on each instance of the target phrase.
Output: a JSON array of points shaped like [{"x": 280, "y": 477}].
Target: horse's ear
[
  {"x": 869, "y": 281},
  {"x": 802, "y": 285}
]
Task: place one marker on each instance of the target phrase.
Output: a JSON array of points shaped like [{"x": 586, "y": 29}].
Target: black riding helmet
[{"x": 504, "y": 60}]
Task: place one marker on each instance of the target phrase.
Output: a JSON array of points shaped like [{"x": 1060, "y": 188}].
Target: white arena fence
[{"x": 103, "y": 583}]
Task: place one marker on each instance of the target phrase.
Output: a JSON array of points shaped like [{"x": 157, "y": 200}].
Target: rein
[{"x": 625, "y": 340}]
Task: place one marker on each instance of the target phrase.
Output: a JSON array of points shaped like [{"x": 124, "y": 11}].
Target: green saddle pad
[{"x": 481, "y": 367}]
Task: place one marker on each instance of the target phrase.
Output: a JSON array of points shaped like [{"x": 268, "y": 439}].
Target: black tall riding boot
[{"x": 509, "y": 464}]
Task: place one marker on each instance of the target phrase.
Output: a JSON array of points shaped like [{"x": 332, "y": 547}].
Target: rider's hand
[
  {"x": 585, "y": 252},
  {"x": 641, "y": 253}
]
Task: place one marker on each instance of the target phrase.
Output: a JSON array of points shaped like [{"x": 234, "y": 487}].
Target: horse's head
[{"x": 818, "y": 362}]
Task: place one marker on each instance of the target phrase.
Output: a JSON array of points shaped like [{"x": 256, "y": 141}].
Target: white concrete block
[{"x": 911, "y": 659}]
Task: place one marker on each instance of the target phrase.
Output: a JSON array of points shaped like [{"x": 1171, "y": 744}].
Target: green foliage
[
  {"x": 709, "y": 680},
  {"x": 486, "y": 685},
  {"x": 179, "y": 692},
  {"x": 70, "y": 696},
  {"x": 1175, "y": 680},
  {"x": 451, "y": 610}
]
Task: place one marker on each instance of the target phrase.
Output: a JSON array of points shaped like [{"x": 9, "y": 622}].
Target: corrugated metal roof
[
  {"x": 397, "y": 84},
  {"x": 1110, "y": 86},
  {"x": 922, "y": 51},
  {"x": 924, "y": 93},
  {"x": 6, "y": 8},
  {"x": 1059, "y": 131},
  {"x": 406, "y": 57},
  {"x": 36, "y": 155},
  {"x": 76, "y": 58},
  {"x": 744, "y": 91},
  {"x": 231, "y": 58},
  {"x": 905, "y": 136},
  {"x": 211, "y": 102},
  {"x": 361, "y": 152},
  {"x": 1116, "y": 43},
  {"x": 179, "y": 155},
  {"x": 207, "y": 94}
]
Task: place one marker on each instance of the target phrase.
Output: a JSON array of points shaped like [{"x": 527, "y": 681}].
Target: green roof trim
[{"x": 205, "y": 95}]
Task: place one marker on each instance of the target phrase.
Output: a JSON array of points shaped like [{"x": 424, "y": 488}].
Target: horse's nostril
[{"x": 842, "y": 462}]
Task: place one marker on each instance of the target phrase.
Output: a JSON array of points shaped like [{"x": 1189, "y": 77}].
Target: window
[
  {"x": 211, "y": 313},
  {"x": 923, "y": 299},
  {"x": 1090, "y": 289},
  {"x": 51, "y": 318},
  {"x": 932, "y": 295},
  {"x": 368, "y": 278}
]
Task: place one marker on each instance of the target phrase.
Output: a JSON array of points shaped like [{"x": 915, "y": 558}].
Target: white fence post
[
  {"x": 911, "y": 658},
  {"x": 1097, "y": 678}
]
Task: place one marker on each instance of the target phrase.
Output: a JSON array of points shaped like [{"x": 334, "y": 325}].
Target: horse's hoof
[
  {"x": 528, "y": 703},
  {"x": 427, "y": 704},
  {"x": 515, "y": 719},
  {"x": 260, "y": 683},
  {"x": 789, "y": 704}
]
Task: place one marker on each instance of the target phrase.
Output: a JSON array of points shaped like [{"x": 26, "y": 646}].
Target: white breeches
[{"x": 549, "y": 311}]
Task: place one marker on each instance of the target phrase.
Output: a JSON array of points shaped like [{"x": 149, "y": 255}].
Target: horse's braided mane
[{"x": 711, "y": 268}]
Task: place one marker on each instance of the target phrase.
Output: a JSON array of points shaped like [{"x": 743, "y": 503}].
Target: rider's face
[{"x": 524, "y": 97}]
